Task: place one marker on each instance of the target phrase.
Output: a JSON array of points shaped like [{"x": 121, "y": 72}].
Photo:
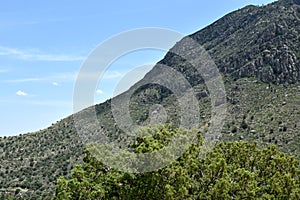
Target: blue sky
[{"x": 44, "y": 43}]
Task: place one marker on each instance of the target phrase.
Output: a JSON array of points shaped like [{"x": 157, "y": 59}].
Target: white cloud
[
  {"x": 68, "y": 76},
  {"x": 37, "y": 55},
  {"x": 99, "y": 91},
  {"x": 112, "y": 75},
  {"x": 21, "y": 93},
  {"x": 107, "y": 75},
  {"x": 61, "y": 77},
  {"x": 23, "y": 80},
  {"x": 55, "y": 84},
  {"x": 65, "y": 76}
]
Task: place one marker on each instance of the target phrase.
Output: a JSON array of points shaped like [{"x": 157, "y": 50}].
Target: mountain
[{"x": 257, "y": 50}]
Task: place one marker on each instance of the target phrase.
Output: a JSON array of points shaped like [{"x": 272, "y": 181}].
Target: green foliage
[
  {"x": 257, "y": 52},
  {"x": 236, "y": 170}
]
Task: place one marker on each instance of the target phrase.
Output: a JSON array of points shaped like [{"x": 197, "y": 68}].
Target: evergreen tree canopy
[{"x": 236, "y": 170}]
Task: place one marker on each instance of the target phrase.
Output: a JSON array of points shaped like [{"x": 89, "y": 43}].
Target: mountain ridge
[{"x": 246, "y": 46}]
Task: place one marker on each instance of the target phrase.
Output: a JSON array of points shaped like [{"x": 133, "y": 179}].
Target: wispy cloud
[
  {"x": 112, "y": 75},
  {"x": 21, "y": 93},
  {"x": 54, "y": 79},
  {"x": 23, "y": 80},
  {"x": 99, "y": 91},
  {"x": 67, "y": 76},
  {"x": 108, "y": 75},
  {"x": 35, "y": 55},
  {"x": 55, "y": 84}
]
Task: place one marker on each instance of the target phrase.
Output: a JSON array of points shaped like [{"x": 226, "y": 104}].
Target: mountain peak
[
  {"x": 261, "y": 42},
  {"x": 289, "y": 2},
  {"x": 253, "y": 47}
]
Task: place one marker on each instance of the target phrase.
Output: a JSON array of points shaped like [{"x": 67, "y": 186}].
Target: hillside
[{"x": 257, "y": 49}]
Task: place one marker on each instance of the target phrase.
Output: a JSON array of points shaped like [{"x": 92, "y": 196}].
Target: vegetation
[
  {"x": 237, "y": 170},
  {"x": 257, "y": 50},
  {"x": 32, "y": 162}
]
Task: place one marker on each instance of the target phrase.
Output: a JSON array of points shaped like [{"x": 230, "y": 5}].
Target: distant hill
[{"x": 257, "y": 50}]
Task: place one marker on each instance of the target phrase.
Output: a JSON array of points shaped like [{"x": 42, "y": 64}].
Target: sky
[{"x": 43, "y": 45}]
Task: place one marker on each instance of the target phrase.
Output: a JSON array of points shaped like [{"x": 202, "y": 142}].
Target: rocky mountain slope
[{"x": 257, "y": 49}]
